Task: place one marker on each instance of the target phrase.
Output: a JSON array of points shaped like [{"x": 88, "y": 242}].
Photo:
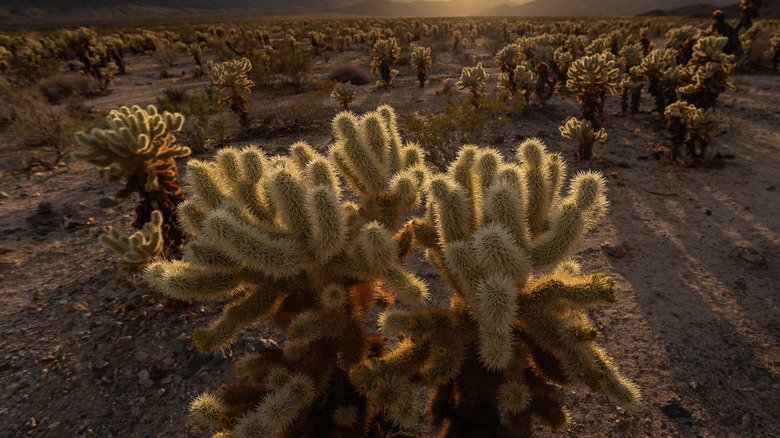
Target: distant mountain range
[
  {"x": 770, "y": 10},
  {"x": 20, "y": 13}
]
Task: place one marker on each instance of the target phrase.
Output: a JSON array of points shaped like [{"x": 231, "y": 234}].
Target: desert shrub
[
  {"x": 286, "y": 63},
  {"x": 280, "y": 239},
  {"x": 63, "y": 86},
  {"x": 298, "y": 114},
  {"x": 351, "y": 72}
]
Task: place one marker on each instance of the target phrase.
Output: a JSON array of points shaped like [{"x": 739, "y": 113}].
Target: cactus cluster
[
  {"x": 279, "y": 238},
  {"x": 139, "y": 147},
  {"x": 693, "y": 128},
  {"x": 138, "y": 250},
  {"x": 710, "y": 67}
]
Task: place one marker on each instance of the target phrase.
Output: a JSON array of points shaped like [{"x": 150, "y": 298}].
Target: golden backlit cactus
[
  {"x": 522, "y": 81},
  {"x": 384, "y": 54},
  {"x": 140, "y": 249},
  {"x": 583, "y": 133},
  {"x": 693, "y": 128},
  {"x": 592, "y": 77},
  {"x": 344, "y": 93},
  {"x": 710, "y": 68},
  {"x": 508, "y": 336},
  {"x": 653, "y": 67},
  {"x": 139, "y": 147},
  {"x": 473, "y": 79},
  {"x": 231, "y": 77},
  {"x": 278, "y": 238},
  {"x": 421, "y": 60}
]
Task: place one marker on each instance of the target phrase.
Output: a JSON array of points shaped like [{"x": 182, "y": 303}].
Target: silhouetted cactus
[
  {"x": 344, "y": 93},
  {"x": 139, "y": 147},
  {"x": 693, "y": 128},
  {"x": 231, "y": 77},
  {"x": 383, "y": 55},
  {"x": 421, "y": 60},
  {"x": 653, "y": 67}
]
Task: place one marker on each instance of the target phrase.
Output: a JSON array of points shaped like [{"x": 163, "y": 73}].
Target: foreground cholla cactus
[
  {"x": 278, "y": 238},
  {"x": 592, "y": 77},
  {"x": 384, "y": 54},
  {"x": 421, "y": 60},
  {"x": 344, "y": 93},
  {"x": 473, "y": 79},
  {"x": 582, "y": 131},
  {"x": 139, "y": 146},
  {"x": 693, "y": 128},
  {"x": 231, "y": 77}
]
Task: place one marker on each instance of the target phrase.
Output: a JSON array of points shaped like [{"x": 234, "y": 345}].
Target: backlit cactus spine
[
  {"x": 494, "y": 356},
  {"x": 139, "y": 146},
  {"x": 277, "y": 237},
  {"x": 231, "y": 77}
]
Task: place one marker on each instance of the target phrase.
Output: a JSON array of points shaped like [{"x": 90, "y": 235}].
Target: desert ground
[{"x": 694, "y": 252}]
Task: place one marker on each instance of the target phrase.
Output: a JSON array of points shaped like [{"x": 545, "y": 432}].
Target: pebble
[
  {"x": 106, "y": 202},
  {"x": 83, "y": 279},
  {"x": 4, "y": 195},
  {"x": 146, "y": 383},
  {"x": 141, "y": 356},
  {"x": 44, "y": 208},
  {"x": 144, "y": 374}
]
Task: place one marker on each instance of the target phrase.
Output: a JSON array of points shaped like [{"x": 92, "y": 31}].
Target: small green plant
[
  {"x": 139, "y": 147},
  {"x": 473, "y": 79},
  {"x": 384, "y": 54},
  {"x": 421, "y": 60},
  {"x": 344, "y": 93},
  {"x": 583, "y": 133},
  {"x": 231, "y": 77}
]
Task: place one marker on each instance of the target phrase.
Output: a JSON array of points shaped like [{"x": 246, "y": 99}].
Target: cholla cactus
[
  {"x": 582, "y": 131},
  {"x": 421, "y": 60},
  {"x": 138, "y": 250},
  {"x": 630, "y": 88},
  {"x": 473, "y": 79},
  {"x": 279, "y": 238},
  {"x": 384, "y": 54},
  {"x": 632, "y": 56},
  {"x": 139, "y": 147},
  {"x": 774, "y": 44},
  {"x": 644, "y": 40},
  {"x": 344, "y": 93},
  {"x": 710, "y": 68},
  {"x": 592, "y": 77},
  {"x": 693, "y": 128},
  {"x": 231, "y": 77},
  {"x": 681, "y": 41},
  {"x": 493, "y": 356},
  {"x": 507, "y": 60},
  {"x": 523, "y": 81},
  {"x": 653, "y": 67}
]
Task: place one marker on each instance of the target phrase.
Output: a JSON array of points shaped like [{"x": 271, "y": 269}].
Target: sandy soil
[{"x": 694, "y": 252}]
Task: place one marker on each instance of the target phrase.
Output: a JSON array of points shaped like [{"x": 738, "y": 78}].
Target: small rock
[
  {"x": 696, "y": 386},
  {"x": 495, "y": 139},
  {"x": 83, "y": 279},
  {"x": 4, "y": 195},
  {"x": 178, "y": 348},
  {"x": 141, "y": 356},
  {"x": 31, "y": 423},
  {"x": 144, "y": 374},
  {"x": 168, "y": 361},
  {"x": 746, "y": 420},
  {"x": 624, "y": 164},
  {"x": 146, "y": 383},
  {"x": 674, "y": 410},
  {"x": 768, "y": 189},
  {"x": 617, "y": 251},
  {"x": 106, "y": 202},
  {"x": 44, "y": 208},
  {"x": 740, "y": 285},
  {"x": 166, "y": 380},
  {"x": 53, "y": 425}
]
